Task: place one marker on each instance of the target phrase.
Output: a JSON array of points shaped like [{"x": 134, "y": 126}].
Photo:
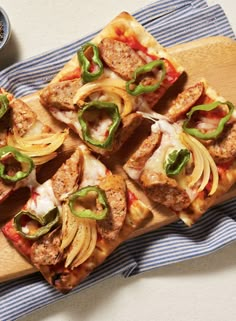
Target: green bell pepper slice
[
  {"x": 101, "y": 200},
  {"x": 47, "y": 222},
  {"x": 4, "y": 105},
  {"x": 112, "y": 110},
  {"x": 21, "y": 158},
  {"x": 208, "y": 107},
  {"x": 176, "y": 161},
  {"x": 137, "y": 89},
  {"x": 85, "y": 64}
]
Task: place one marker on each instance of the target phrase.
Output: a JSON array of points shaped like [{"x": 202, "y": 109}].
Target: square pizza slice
[
  {"x": 122, "y": 70},
  {"x": 188, "y": 160},
  {"x": 25, "y": 143},
  {"x": 74, "y": 220}
]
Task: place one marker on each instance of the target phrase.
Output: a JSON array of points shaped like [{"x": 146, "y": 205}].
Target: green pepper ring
[
  {"x": 88, "y": 76},
  {"x": 47, "y": 221},
  {"x": 208, "y": 107},
  {"x": 87, "y": 213},
  {"x": 141, "y": 89},
  {"x": 113, "y": 110},
  {"x": 4, "y": 103},
  {"x": 20, "y": 158}
]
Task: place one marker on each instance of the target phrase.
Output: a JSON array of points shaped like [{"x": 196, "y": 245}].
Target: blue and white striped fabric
[{"x": 171, "y": 22}]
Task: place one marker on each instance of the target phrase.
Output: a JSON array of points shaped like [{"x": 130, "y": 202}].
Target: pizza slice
[
  {"x": 208, "y": 117},
  {"x": 122, "y": 70},
  {"x": 74, "y": 220},
  {"x": 188, "y": 160},
  {"x": 25, "y": 142}
]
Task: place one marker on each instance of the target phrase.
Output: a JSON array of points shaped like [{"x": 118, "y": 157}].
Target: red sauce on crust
[
  {"x": 22, "y": 244},
  {"x": 171, "y": 73},
  {"x": 74, "y": 74},
  {"x": 131, "y": 198}
]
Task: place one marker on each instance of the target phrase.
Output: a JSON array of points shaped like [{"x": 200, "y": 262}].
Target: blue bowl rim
[{"x": 7, "y": 35}]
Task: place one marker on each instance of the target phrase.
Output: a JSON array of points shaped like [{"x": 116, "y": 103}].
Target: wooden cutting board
[{"x": 212, "y": 58}]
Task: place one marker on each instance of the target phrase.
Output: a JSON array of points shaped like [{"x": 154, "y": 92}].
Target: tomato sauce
[
  {"x": 171, "y": 74},
  {"x": 216, "y": 113},
  {"x": 74, "y": 74},
  {"x": 22, "y": 244},
  {"x": 132, "y": 42},
  {"x": 131, "y": 198},
  {"x": 222, "y": 168}
]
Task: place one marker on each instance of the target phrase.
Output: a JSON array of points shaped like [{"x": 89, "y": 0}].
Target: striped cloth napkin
[{"x": 170, "y": 22}]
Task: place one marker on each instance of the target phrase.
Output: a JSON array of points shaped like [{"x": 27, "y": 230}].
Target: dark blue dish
[{"x": 4, "y": 20}]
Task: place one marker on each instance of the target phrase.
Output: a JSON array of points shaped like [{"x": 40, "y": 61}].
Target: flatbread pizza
[
  {"x": 74, "y": 220},
  {"x": 122, "y": 70},
  {"x": 25, "y": 143},
  {"x": 188, "y": 160},
  {"x": 105, "y": 93}
]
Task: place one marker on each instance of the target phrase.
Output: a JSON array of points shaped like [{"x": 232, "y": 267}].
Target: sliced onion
[
  {"x": 69, "y": 226},
  {"x": 89, "y": 246},
  {"x": 209, "y": 164},
  {"x": 44, "y": 159},
  {"x": 43, "y": 147},
  {"x": 110, "y": 87},
  {"x": 78, "y": 242},
  {"x": 206, "y": 173},
  {"x": 198, "y": 160},
  {"x": 79, "y": 237}
]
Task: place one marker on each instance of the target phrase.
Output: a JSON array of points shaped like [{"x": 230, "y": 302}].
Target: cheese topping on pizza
[{"x": 42, "y": 200}]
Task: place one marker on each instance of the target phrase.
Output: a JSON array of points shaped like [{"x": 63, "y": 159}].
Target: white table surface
[{"x": 201, "y": 289}]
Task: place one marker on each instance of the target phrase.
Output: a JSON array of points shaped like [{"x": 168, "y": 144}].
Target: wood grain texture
[{"x": 211, "y": 58}]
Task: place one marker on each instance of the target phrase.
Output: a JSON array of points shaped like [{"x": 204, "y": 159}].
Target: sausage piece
[
  {"x": 164, "y": 190},
  {"x": 129, "y": 124},
  {"x": 46, "y": 251},
  {"x": 23, "y": 118},
  {"x": 115, "y": 190},
  {"x": 60, "y": 95},
  {"x": 67, "y": 176},
  {"x": 185, "y": 101},
  {"x": 143, "y": 153},
  {"x": 224, "y": 148},
  {"x": 119, "y": 57}
]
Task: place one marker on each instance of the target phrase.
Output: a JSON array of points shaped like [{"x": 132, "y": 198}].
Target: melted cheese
[
  {"x": 43, "y": 199},
  {"x": 67, "y": 117},
  {"x": 170, "y": 141},
  {"x": 94, "y": 170},
  {"x": 132, "y": 172}
]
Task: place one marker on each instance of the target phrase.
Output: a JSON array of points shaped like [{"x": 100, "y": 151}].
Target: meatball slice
[
  {"x": 23, "y": 118},
  {"x": 185, "y": 101},
  {"x": 115, "y": 190},
  {"x": 224, "y": 148},
  {"x": 46, "y": 251},
  {"x": 60, "y": 95},
  {"x": 164, "y": 190},
  {"x": 136, "y": 163},
  {"x": 119, "y": 57},
  {"x": 68, "y": 175}
]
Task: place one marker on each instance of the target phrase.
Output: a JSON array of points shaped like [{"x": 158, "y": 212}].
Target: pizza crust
[{"x": 131, "y": 27}]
